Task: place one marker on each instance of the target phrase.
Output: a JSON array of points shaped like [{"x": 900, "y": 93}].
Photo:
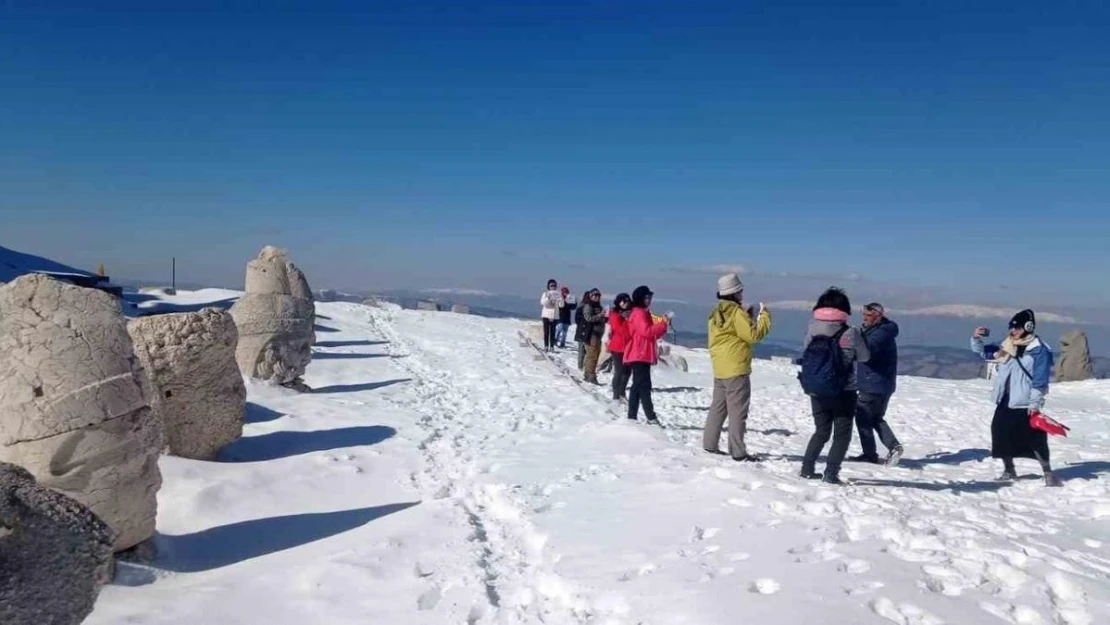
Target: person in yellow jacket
[{"x": 732, "y": 334}]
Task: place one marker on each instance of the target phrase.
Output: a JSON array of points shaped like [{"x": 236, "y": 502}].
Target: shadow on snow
[
  {"x": 285, "y": 443},
  {"x": 260, "y": 414},
  {"x": 357, "y": 343},
  {"x": 354, "y": 388},
  {"x": 230, "y": 544}
]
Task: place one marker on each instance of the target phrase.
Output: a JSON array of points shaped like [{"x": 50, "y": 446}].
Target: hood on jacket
[
  {"x": 721, "y": 315},
  {"x": 885, "y": 324},
  {"x": 824, "y": 328}
]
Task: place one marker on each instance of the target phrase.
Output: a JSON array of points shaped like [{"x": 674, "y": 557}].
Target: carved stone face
[{"x": 75, "y": 402}]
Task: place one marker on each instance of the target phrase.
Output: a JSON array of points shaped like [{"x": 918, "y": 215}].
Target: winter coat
[
  {"x": 618, "y": 333},
  {"x": 731, "y": 338},
  {"x": 643, "y": 334},
  {"x": 579, "y": 326},
  {"x": 549, "y": 305},
  {"x": 879, "y": 375},
  {"x": 1027, "y": 387},
  {"x": 852, "y": 346},
  {"x": 593, "y": 317},
  {"x": 567, "y": 307}
]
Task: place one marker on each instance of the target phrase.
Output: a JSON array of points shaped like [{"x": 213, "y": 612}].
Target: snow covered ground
[{"x": 440, "y": 474}]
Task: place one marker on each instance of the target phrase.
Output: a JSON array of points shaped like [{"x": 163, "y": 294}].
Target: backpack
[{"x": 823, "y": 371}]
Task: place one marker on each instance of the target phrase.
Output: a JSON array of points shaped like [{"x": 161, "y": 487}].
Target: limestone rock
[
  {"x": 273, "y": 273},
  {"x": 55, "y": 554},
  {"x": 275, "y": 336},
  {"x": 75, "y": 402},
  {"x": 197, "y": 389},
  {"x": 1074, "y": 363},
  {"x": 275, "y": 319},
  {"x": 425, "y": 305},
  {"x": 460, "y": 309}
]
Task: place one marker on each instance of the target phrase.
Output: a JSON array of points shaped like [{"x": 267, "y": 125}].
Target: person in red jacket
[
  {"x": 618, "y": 339},
  {"x": 641, "y": 353}
]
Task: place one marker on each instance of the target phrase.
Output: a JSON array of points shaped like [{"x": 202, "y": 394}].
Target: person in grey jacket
[
  {"x": 832, "y": 415},
  {"x": 877, "y": 380}
]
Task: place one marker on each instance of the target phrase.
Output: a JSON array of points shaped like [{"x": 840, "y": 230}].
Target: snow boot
[
  {"x": 1007, "y": 476},
  {"x": 1051, "y": 480},
  {"x": 810, "y": 475},
  {"x": 832, "y": 479},
  {"x": 864, "y": 458},
  {"x": 748, "y": 458},
  {"x": 894, "y": 457}
]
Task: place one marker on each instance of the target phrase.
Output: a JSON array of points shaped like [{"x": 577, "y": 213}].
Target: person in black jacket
[
  {"x": 567, "y": 306},
  {"x": 876, "y": 380},
  {"x": 594, "y": 319},
  {"x": 580, "y": 332}
]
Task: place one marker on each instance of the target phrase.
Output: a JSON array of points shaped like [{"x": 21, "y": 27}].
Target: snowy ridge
[{"x": 441, "y": 474}]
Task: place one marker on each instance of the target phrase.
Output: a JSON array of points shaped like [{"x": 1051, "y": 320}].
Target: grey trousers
[{"x": 732, "y": 398}]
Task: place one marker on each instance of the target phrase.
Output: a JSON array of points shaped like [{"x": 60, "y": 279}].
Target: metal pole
[{"x": 173, "y": 279}]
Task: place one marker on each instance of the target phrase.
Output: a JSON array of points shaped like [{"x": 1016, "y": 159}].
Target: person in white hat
[{"x": 732, "y": 334}]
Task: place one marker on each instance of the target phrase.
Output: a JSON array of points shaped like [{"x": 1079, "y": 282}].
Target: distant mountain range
[{"x": 929, "y": 345}]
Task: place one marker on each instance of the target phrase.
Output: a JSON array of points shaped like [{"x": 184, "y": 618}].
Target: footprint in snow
[
  {"x": 765, "y": 586},
  {"x": 429, "y": 599},
  {"x": 904, "y": 613},
  {"x": 1015, "y": 614},
  {"x": 855, "y": 567},
  {"x": 1068, "y": 599},
  {"x": 945, "y": 580},
  {"x": 865, "y": 588},
  {"x": 700, "y": 533}
]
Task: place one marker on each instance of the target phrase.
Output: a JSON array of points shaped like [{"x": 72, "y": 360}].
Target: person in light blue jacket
[{"x": 1020, "y": 386}]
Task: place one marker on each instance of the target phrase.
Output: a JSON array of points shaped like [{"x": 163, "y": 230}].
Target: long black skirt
[{"x": 1012, "y": 437}]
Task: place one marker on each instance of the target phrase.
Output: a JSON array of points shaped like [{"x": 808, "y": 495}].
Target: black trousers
[
  {"x": 871, "y": 418},
  {"x": 832, "y": 416},
  {"x": 641, "y": 391},
  {"x": 549, "y": 327},
  {"x": 620, "y": 375}
]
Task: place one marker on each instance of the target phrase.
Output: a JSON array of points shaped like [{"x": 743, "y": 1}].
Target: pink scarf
[{"x": 831, "y": 314}]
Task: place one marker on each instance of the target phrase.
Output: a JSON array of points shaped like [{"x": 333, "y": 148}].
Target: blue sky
[{"x": 942, "y": 147}]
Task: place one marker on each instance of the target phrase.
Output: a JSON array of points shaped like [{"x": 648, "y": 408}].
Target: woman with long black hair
[
  {"x": 618, "y": 342},
  {"x": 641, "y": 353}
]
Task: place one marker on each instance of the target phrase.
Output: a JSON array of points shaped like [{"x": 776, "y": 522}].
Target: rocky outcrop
[
  {"x": 197, "y": 390},
  {"x": 275, "y": 319},
  {"x": 460, "y": 309},
  {"x": 55, "y": 554},
  {"x": 1074, "y": 363},
  {"x": 75, "y": 403}
]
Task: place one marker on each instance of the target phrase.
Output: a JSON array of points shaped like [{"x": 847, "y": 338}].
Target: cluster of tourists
[
  {"x": 634, "y": 335},
  {"x": 849, "y": 372}
]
